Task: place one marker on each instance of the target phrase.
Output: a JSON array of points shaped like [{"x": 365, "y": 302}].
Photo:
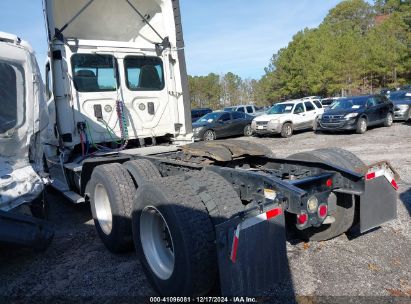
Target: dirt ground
[{"x": 374, "y": 265}]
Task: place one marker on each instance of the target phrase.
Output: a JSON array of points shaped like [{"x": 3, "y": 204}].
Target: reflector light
[
  {"x": 387, "y": 174},
  {"x": 302, "y": 218},
  {"x": 329, "y": 183},
  {"x": 370, "y": 176},
  {"x": 322, "y": 211},
  {"x": 394, "y": 184}
]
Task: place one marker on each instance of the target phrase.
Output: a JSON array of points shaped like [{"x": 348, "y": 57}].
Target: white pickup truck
[{"x": 285, "y": 117}]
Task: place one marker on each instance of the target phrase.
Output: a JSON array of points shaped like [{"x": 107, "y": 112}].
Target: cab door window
[
  {"x": 94, "y": 72},
  {"x": 144, "y": 73}
]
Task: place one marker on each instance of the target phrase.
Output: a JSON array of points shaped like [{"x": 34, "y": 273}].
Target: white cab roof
[
  {"x": 14, "y": 39},
  {"x": 113, "y": 20}
]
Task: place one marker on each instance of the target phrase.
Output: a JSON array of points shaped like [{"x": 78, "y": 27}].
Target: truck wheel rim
[
  {"x": 103, "y": 209},
  {"x": 157, "y": 242}
]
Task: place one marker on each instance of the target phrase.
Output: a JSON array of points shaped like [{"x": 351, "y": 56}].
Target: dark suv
[{"x": 357, "y": 113}]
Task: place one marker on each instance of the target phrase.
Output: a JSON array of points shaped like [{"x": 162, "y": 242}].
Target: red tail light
[
  {"x": 329, "y": 183},
  {"x": 302, "y": 218},
  {"x": 322, "y": 211}
]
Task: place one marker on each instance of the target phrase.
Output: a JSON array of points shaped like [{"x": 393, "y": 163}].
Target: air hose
[{"x": 123, "y": 123}]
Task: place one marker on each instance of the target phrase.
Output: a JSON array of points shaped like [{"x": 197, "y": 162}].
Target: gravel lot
[{"x": 373, "y": 264}]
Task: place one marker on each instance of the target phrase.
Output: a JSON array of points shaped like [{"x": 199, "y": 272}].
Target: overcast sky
[{"x": 221, "y": 36}]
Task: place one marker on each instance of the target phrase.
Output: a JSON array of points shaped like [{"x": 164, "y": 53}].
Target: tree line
[
  {"x": 359, "y": 48},
  {"x": 217, "y": 91}
]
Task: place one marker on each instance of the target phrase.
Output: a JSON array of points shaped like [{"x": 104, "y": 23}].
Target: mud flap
[
  {"x": 378, "y": 203},
  {"x": 252, "y": 253}
]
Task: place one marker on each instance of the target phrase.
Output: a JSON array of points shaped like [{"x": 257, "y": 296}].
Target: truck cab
[
  {"x": 114, "y": 83},
  {"x": 133, "y": 56}
]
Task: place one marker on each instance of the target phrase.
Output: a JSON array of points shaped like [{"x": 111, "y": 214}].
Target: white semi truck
[
  {"x": 198, "y": 214},
  {"x": 23, "y": 116}
]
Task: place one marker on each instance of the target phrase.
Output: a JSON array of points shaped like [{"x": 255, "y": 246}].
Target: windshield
[
  {"x": 12, "y": 92},
  {"x": 210, "y": 117},
  {"x": 229, "y": 109},
  {"x": 281, "y": 108},
  {"x": 345, "y": 104}
]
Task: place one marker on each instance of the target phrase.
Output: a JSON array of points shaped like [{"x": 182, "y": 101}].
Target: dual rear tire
[
  {"x": 111, "y": 192},
  {"x": 170, "y": 220},
  {"x": 183, "y": 209}
]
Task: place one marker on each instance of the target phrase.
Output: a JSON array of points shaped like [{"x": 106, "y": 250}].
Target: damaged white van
[{"x": 22, "y": 118}]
